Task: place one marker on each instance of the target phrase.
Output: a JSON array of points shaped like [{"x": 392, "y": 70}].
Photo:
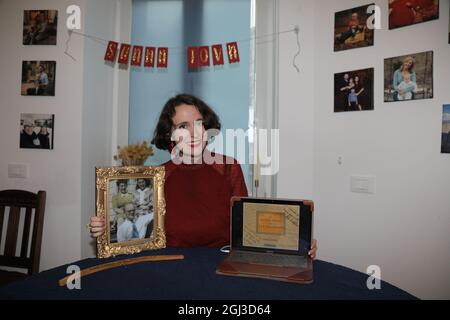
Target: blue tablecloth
[{"x": 195, "y": 278}]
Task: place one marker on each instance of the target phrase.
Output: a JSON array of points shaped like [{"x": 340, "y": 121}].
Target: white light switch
[
  {"x": 362, "y": 184},
  {"x": 18, "y": 170}
]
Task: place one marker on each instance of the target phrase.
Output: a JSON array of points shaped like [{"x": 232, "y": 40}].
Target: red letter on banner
[
  {"x": 111, "y": 51},
  {"x": 233, "y": 53},
  {"x": 203, "y": 53},
  {"x": 192, "y": 56},
  {"x": 149, "y": 59},
  {"x": 124, "y": 53},
  {"x": 217, "y": 54},
  {"x": 162, "y": 57},
  {"x": 136, "y": 56}
]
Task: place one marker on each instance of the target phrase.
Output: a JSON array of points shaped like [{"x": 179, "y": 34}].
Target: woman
[
  {"x": 44, "y": 138},
  {"x": 359, "y": 89},
  {"x": 407, "y": 68},
  {"x": 197, "y": 194}
]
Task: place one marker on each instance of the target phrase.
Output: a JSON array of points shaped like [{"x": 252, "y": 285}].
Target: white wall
[
  {"x": 404, "y": 227},
  {"x": 56, "y": 171},
  {"x": 296, "y": 100}
]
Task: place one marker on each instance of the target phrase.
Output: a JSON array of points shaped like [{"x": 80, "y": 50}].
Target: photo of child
[
  {"x": 350, "y": 30},
  {"x": 408, "y": 77}
]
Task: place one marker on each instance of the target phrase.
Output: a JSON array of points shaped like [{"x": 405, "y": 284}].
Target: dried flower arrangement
[{"x": 134, "y": 154}]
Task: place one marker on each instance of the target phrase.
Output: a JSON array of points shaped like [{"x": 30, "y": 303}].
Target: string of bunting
[{"x": 196, "y": 56}]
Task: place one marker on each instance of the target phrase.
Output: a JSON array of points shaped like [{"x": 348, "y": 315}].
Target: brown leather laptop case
[{"x": 302, "y": 273}]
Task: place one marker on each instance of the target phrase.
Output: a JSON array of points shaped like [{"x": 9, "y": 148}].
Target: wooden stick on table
[{"x": 119, "y": 263}]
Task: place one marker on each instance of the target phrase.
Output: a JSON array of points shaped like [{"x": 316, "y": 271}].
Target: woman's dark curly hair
[{"x": 163, "y": 130}]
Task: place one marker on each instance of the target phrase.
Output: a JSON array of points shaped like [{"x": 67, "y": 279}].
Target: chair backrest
[{"x": 32, "y": 206}]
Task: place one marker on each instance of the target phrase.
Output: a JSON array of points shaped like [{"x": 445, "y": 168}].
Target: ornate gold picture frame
[{"x": 131, "y": 199}]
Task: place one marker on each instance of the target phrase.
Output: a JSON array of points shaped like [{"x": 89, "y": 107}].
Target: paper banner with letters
[{"x": 149, "y": 57}]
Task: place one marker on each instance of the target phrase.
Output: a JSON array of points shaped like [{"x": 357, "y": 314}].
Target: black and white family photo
[
  {"x": 131, "y": 209},
  {"x": 36, "y": 131}
]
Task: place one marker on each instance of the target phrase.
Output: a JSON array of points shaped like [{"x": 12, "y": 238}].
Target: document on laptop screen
[{"x": 269, "y": 226}]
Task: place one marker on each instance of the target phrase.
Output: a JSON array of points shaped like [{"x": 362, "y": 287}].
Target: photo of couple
[
  {"x": 353, "y": 90},
  {"x": 131, "y": 212},
  {"x": 408, "y": 77},
  {"x": 40, "y": 27}
]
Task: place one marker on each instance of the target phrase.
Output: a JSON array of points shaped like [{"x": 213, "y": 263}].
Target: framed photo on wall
[
  {"x": 408, "y": 77},
  {"x": 36, "y": 131},
  {"x": 40, "y": 27},
  {"x": 353, "y": 90},
  {"x": 131, "y": 199},
  {"x": 38, "y": 78},
  {"x": 351, "y": 29},
  {"x": 404, "y": 13},
  {"x": 445, "y": 144}
]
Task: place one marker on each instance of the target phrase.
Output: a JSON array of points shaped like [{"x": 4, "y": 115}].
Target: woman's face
[
  {"x": 356, "y": 79},
  {"x": 141, "y": 184},
  {"x": 408, "y": 63},
  {"x": 123, "y": 187},
  {"x": 28, "y": 130},
  {"x": 188, "y": 130},
  {"x": 44, "y": 130}
]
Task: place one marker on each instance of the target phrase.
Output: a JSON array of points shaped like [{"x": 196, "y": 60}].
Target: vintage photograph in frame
[
  {"x": 40, "y": 27},
  {"x": 408, "y": 77},
  {"x": 445, "y": 143},
  {"x": 351, "y": 29},
  {"x": 131, "y": 199},
  {"x": 404, "y": 13},
  {"x": 353, "y": 90}
]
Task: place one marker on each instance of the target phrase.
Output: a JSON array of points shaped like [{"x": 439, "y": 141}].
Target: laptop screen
[{"x": 269, "y": 225}]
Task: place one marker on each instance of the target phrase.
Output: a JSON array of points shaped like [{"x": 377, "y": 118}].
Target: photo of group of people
[
  {"x": 36, "y": 131},
  {"x": 353, "y": 90},
  {"x": 40, "y": 27},
  {"x": 407, "y": 12},
  {"x": 408, "y": 77},
  {"x": 38, "y": 78},
  {"x": 351, "y": 29},
  {"x": 130, "y": 209}
]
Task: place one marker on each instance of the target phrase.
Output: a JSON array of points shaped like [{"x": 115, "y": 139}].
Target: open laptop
[{"x": 270, "y": 238}]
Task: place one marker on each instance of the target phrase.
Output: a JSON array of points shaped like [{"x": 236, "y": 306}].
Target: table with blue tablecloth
[{"x": 194, "y": 278}]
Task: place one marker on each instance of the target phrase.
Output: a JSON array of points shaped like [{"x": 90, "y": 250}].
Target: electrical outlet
[{"x": 18, "y": 170}]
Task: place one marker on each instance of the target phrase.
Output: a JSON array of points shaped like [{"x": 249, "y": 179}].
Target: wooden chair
[{"x": 33, "y": 207}]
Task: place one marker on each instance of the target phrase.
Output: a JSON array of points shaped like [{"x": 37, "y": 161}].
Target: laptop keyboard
[{"x": 268, "y": 259}]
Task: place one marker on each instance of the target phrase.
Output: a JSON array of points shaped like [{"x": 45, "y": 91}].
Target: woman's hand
[
  {"x": 97, "y": 226},
  {"x": 313, "y": 251}
]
